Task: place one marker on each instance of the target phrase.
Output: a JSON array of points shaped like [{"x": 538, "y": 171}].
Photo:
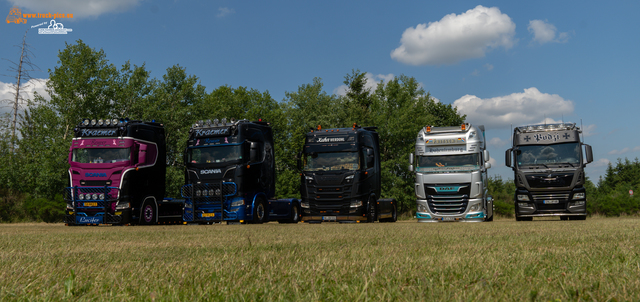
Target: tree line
[
  {"x": 84, "y": 84},
  {"x": 34, "y": 167}
]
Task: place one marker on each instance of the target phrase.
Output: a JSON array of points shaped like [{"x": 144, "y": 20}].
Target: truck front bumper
[{"x": 474, "y": 212}]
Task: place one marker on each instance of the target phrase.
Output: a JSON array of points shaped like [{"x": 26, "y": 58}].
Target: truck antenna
[{"x": 581, "y": 129}]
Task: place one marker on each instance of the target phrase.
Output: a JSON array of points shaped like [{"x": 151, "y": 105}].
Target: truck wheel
[
  {"x": 259, "y": 212},
  {"x": 148, "y": 214},
  {"x": 394, "y": 215},
  {"x": 295, "y": 214},
  {"x": 371, "y": 215}
]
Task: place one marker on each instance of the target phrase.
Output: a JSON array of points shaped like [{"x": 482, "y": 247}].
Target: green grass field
[{"x": 597, "y": 259}]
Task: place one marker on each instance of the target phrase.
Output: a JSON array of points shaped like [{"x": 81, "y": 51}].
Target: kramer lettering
[
  {"x": 92, "y": 132},
  {"x": 209, "y": 132}
]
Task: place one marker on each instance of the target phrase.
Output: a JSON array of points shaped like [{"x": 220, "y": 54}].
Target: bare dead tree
[{"x": 21, "y": 73}]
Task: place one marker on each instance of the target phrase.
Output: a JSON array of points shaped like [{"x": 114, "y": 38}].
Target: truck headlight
[
  {"x": 349, "y": 177},
  {"x": 123, "y": 205},
  {"x": 81, "y": 196},
  {"x": 523, "y": 204},
  {"x": 579, "y": 203},
  {"x": 523, "y": 197},
  {"x": 198, "y": 193},
  {"x": 69, "y": 205},
  {"x": 578, "y": 196},
  {"x": 356, "y": 203},
  {"x": 237, "y": 203},
  {"x": 304, "y": 204},
  {"x": 94, "y": 196},
  {"x": 308, "y": 177},
  {"x": 422, "y": 208},
  {"x": 475, "y": 207},
  {"x": 101, "y": 196}
]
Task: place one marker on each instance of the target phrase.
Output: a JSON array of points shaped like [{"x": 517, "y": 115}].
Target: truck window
[
  {"x": 548, "y": 154},
  {"x": 101, "y": 155},
  {"x": 448, "y": 162},
  {"x": 332, "y": 161},
  {"x": 214, "y": 154}
]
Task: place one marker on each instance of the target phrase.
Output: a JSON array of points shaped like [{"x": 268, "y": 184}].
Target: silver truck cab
[{"x": 450, "y": 164}]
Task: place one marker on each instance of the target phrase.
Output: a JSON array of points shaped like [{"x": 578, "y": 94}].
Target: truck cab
[
  {"x": 451, "y": 166},
  {"x": 117, "y": 174},
  {"x": 548, "y": 166},
  {"x": 340, "y": 177},
  {"x": 230, "y": 174}
]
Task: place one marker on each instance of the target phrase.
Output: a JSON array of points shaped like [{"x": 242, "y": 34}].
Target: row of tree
[
  {"x": 34, "y": 167},
  {"x": 85, "y": 85}
]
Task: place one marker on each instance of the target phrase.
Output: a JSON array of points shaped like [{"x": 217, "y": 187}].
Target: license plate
[
  {"x": 208, "y": 214},
  {"x": 448, "y": 218},
  {"x": 551, "y": 201},
  {"x": 329, "y": 218},
  {"x": 90, "y": 204}
]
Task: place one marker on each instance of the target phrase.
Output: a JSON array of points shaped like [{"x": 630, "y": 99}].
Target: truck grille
[
  {"x": 448, "y": 199},
  {"x": 549, "y": 180}
]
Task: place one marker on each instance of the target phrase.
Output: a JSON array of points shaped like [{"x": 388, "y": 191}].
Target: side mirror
[
  {"x": 507, "y": 158},
  {"x": 588, "y": 152},
  {"x": 486, "y": 155},
  {"x": 142, "y": 154},
  {"x": 487, "y": 165},
  {"x": 253, "y": 152},
  {"x": 411, "y": 162}
]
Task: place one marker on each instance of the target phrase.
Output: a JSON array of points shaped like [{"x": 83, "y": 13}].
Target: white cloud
[
  {"x": 618, "y": 152},
  {"x": 493, "y": 162},
  {"x": 7, "y": 94},
  {"x": 588, "y": 130},
  {"x": 224, "y": 11},
  {"x": 488, "y": 66},
  {"x": 601, "y": 162},
  {"x": 79, "y": 8},
  {"x": 372, "y": 83},
  {"x": 497, "y": 142},
  {"x": 530, "y": 106},
  {"x": 456, "y": 37},
  {"x": 544, "y": 32}
]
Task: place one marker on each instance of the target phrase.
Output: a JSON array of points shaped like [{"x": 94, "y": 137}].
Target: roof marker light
[
  {"x": 319, "y": 128},
  {"x": 463, "y": 127},
  {"x": 428, "y": 129}
]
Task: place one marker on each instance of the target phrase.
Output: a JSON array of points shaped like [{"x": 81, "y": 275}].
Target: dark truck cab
[
  {"x": 117, "y": 174},
  {"x": 340, "y": 178},
  {"x": 549, "y": 171},
  {"x": 230, "y": 174}
]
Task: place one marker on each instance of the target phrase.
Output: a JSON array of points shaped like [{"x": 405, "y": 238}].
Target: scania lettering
[
  {"x": 451, "y": 174},
  {"x": 548, "y": 165},
  {"x": 230, "y": 175},
  {"x": 117, "y": 175},
  {"x": 340, "y": 178}
]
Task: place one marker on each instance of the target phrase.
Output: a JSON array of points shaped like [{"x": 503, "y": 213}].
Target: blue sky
[{"x": 502, "y": 63}]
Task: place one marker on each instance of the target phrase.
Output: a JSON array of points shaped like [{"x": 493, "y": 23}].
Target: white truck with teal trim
[{"x": 451, "y": 174}]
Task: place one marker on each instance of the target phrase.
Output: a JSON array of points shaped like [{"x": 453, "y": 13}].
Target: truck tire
[
  {"x": 148, "y": 214},
  {"x": 259, "y": 211},
  {"x": 394, "y": 215},
  {"x": 371, "y": 211}
]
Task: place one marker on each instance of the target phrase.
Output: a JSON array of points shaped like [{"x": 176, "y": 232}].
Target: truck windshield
[
  {"x": 447, "y": 163},
  {"x": 214, "y": 154},
  {"x": 331, "y": 161},
  {"x": 566, "y": 153},
  {"x": 101, "y": 155}
]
